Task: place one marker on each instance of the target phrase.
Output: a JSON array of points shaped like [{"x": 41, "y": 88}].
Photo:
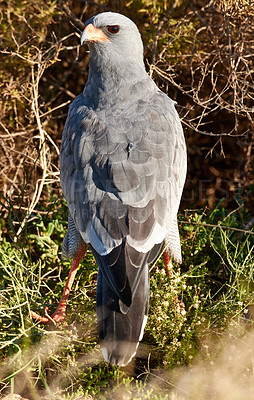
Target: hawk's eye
[{"x": 113, "y": 28}]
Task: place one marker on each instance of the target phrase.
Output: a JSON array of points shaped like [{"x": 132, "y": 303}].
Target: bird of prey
[{"x": 122, "y": 170}]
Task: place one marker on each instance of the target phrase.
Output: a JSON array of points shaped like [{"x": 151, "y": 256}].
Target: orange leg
[
  {"x": 60, "y": 313},
  {"x": 167, "y": 261},
  {"x": 180, "y": 307}
]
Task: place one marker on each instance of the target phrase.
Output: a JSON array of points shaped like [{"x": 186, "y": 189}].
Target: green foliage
[
  {"x": 153, "y": 8},
  {"x": 213, "y": 286}
]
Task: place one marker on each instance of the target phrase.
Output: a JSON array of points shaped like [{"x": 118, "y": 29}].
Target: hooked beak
[{"x": 92, "y": 34}]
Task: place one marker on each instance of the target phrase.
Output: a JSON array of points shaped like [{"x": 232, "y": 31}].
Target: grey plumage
[{"x": 123, "y": 167}]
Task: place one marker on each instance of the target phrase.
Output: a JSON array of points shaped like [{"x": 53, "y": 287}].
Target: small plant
[{"x": 214, "y": 285}]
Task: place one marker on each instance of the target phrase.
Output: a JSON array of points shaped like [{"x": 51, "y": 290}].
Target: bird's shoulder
[{"x": 142, "y": 110}]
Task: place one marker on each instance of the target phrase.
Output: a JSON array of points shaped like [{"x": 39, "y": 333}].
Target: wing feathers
[
  {"x": 123, "y": 178},
  {"x": 122, "y": 173}
]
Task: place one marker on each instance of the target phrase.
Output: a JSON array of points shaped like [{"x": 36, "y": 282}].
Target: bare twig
[{"x": 160, "y": 25}]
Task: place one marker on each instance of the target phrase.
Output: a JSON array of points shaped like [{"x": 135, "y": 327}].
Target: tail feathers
[{"x": 120, "y": 332}]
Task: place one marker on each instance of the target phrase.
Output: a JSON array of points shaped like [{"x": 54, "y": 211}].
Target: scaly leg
[
  {"x": 167, "y": 261},
  {"x": 180, "y": 307},
  {"x": 60, "y": 313}
]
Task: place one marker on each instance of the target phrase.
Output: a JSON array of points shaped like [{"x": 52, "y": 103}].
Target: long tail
[
  {"x": 122, "y": 303},
  {"x": 121, "y": 330}
]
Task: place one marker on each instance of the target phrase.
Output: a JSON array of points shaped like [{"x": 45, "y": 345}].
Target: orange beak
[{"x": 92, "y": 34}]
